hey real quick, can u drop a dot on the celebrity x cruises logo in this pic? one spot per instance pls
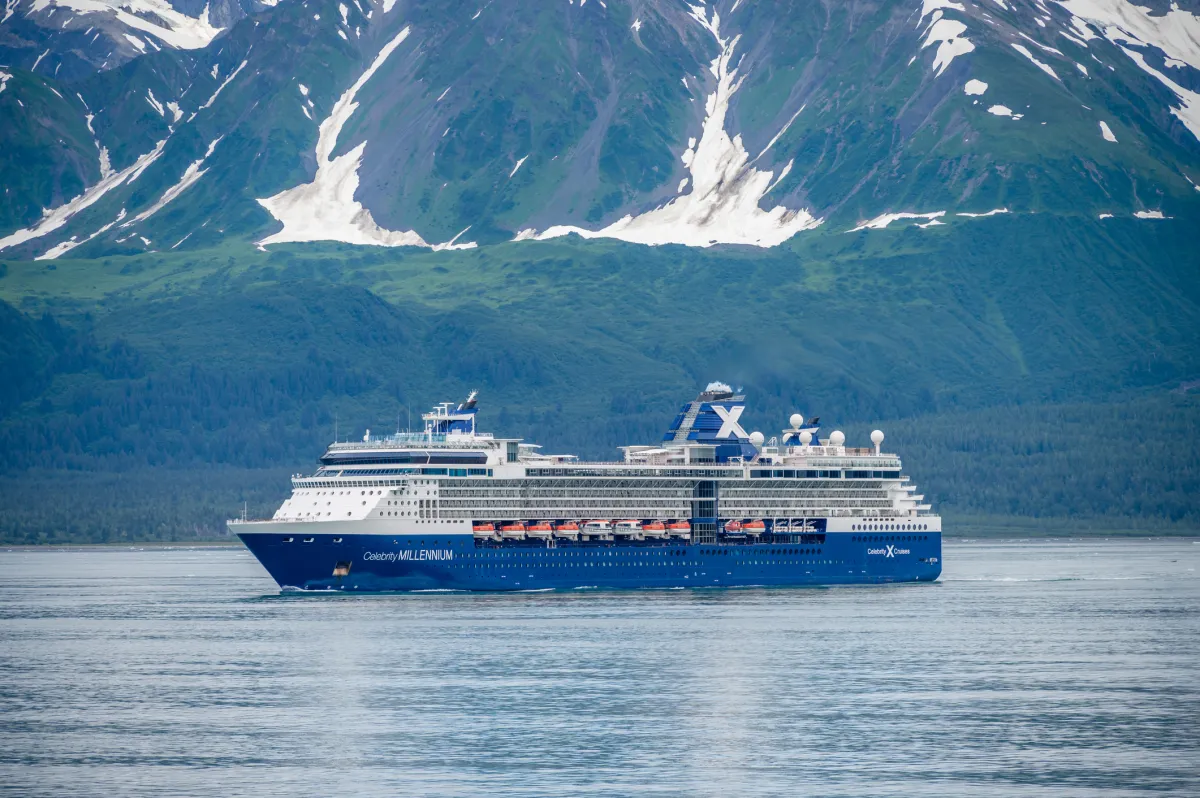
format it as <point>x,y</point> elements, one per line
<point>729,421</point>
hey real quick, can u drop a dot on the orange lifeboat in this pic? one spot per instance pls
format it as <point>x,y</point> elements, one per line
<point>754,527</point>
<point>484,530</point>
<point>514,531</point>
<point>567,529</point>
<point>680,528</point>
<point>654,529</point>
<point>733,527</point>
<point>541,529</point>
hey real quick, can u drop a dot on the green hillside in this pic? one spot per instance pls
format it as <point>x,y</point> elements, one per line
<point>1006,359</point>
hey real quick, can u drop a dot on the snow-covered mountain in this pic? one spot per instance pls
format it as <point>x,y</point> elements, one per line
<point>70,39</point>
<point>456,124</point>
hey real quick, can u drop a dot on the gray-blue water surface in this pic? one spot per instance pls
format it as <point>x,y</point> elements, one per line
<point>1062,668</point>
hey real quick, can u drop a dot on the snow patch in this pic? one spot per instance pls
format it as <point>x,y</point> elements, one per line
<point>951,42</point>
<point>442,95</point>
<point>152,17</point>
<point>345,12</point>
<point>176,111</point>
<point>975,87</point>
<point>303,89</point>
<point>1107,132</point>
<point>1189,110</point>
<point>1036,43</point>
<point>993,212</point>
<point>220,89</point>
<point>39,60</point>
<point>779,135</point>
<point>1023,50</point>
<point>1150,215</point>
<point>63,247</point>
<point>1105,216</point>
<point>637,25</point>
<point>9,7</point>
<point>56,218</point>
<point>155,104</point>
<point>722,207</point>
<point>929,6</point>
<point>1000,110</point>
<point>1082,69</point>
<point>1176,33</point>
<point>325,209</point>
<point>5,77</point>
<point>190,175</point>
<point>518,166</point>
<point>880,222</point>
<point>105,163</point>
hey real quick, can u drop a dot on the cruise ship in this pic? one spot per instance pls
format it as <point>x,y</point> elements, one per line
<point>708,506</point>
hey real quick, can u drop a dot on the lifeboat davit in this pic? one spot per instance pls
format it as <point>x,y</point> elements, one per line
<point>484,530</point>
<point>540,529</point>
<point>513,531</point>
<point>567,529</point>
<point>680,529</point>
<point>654,529</point>
<point>754,527</point>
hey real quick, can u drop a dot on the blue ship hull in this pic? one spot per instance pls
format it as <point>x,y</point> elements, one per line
<point>376,562</point>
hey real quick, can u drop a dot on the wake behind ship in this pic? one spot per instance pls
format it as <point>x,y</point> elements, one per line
<point>451,508</point>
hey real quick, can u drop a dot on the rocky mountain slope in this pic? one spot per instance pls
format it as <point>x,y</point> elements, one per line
<point>462,124</point>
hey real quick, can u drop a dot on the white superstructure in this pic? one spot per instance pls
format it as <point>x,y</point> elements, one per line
<point>707,476</point>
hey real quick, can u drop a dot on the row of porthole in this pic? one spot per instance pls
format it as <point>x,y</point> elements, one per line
<point>885,538</point>
<point>890,527</point>
<point>309,540</point>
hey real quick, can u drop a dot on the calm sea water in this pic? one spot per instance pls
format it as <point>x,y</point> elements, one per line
<point>1057,668</point>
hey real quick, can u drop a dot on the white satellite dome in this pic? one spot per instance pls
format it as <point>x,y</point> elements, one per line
<point>837,438</point>
<point>757,438</point>
<point>806,437</point>
<point>797,420</point>
<point>877,437</point>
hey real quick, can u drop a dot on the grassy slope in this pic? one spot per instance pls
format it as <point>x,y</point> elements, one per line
<point>238,359</point>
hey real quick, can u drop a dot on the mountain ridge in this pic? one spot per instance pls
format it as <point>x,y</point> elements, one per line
<point>843,114</point>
